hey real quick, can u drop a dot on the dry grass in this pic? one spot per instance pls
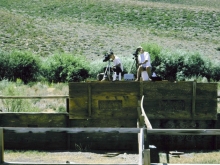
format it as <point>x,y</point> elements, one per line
<point>103,157</point>
<point>33,105</point>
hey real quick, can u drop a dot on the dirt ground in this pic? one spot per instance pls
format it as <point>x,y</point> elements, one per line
<point>73,157</point>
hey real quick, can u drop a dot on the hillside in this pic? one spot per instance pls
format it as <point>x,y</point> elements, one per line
<point>91,27</point>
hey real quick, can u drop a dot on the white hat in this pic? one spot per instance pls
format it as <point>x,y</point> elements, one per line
<point>139,47</point>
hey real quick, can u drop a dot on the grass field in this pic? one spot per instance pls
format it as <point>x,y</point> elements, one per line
<point>94,26</point>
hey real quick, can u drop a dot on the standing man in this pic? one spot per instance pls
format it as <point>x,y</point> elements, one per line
<point>144,63</point>
<point>117,65</point>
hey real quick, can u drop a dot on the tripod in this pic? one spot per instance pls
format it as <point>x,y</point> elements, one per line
<point>107,72</point>
<point>134,62</point>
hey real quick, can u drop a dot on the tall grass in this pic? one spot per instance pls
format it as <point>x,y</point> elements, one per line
<point>34,89</point>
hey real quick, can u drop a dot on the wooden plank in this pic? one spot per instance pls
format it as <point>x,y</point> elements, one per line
<point>36,141</point>
<point>103,137</point>
<point>165,108</point>
<point>79,107</point>
<point>35,97</point>
<point>106,106</point>
<point>161,90</point>
<point>26,163</point>
<point>141,146</point>
<point>70,130</point>
<point>146,120</point>
<point>22,163</point>
<point>103,122</point>
<point>122,114</point>
<point>193,99</point>
<point>1,145</point>
<point>147,157</point>
<point>207,90</point>
<point>33,119</point>
<point>113,130</point>
<point>206,109</point>
<point>115,145</point>
<point>89,100</point>
<point>77,89</point>
<point>184,131</point>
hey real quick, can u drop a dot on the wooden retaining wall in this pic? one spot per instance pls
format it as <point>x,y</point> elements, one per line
<point>114,104</point>
<point>63,141</point>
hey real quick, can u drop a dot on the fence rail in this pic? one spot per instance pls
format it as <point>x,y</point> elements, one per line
<point>35,97</point>
<point>144,152</point>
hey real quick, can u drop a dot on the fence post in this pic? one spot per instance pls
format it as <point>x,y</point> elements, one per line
<point>147,157</point>
<point>1,146</point>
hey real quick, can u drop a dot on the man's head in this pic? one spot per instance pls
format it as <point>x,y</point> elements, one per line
<point>139,49</point>
<point>111,55</point>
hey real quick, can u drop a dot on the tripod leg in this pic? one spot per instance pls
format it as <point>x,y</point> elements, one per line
<point>106,76</point>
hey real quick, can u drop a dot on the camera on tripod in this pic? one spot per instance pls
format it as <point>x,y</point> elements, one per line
<point>135,54</point>
<point>106,57</point>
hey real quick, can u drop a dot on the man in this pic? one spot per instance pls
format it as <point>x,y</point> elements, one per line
<point>144,63</point>
<point>117,66</point>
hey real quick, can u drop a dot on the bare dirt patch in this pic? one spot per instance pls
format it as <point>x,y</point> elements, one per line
<point>72,157</point>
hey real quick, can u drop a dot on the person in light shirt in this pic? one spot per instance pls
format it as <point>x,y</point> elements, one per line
<point>144,63</point>
<point>117,65</point>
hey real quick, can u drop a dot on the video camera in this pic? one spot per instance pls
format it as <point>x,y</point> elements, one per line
<point>135,54</point>
<point>107,56</point>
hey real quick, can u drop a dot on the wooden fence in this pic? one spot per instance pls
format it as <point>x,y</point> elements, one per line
<point>144,151</point>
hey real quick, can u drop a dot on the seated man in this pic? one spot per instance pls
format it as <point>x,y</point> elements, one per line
<point>144,63</point>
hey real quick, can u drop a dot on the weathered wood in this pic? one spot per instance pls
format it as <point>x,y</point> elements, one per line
<point>35,97</point>
<point>141,146</point>
<point>70,130</point>
<point>103,100</point>
<point>117,106</point>
<point>1,145</point>
<point>147,157</point>
<point>20,163</point>
<point>113,130</point>
<point>146,120</point>
<point>164,99</point>
<point>89,100</point>
<point>104,122</point>
<point>193,99</point>
<point>184,131</point>
<point>24,163</point>
<point>33,119</point>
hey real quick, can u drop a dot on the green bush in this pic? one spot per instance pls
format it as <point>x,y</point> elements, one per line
<point>165,65</point>
<point>19,65</point>
<point>182,65</point>
<point>4,60</point>
<point>65,68</point>
<point>215,73</point>
<point>153,49</point>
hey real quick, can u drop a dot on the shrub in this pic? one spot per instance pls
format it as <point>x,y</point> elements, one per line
<point>4,60</point>
<point>65,68</point>
<point>181,65</point>
<point>153,49</point>
<point>165,65</point>
<point>215,73</point>
<point>19,65</point>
